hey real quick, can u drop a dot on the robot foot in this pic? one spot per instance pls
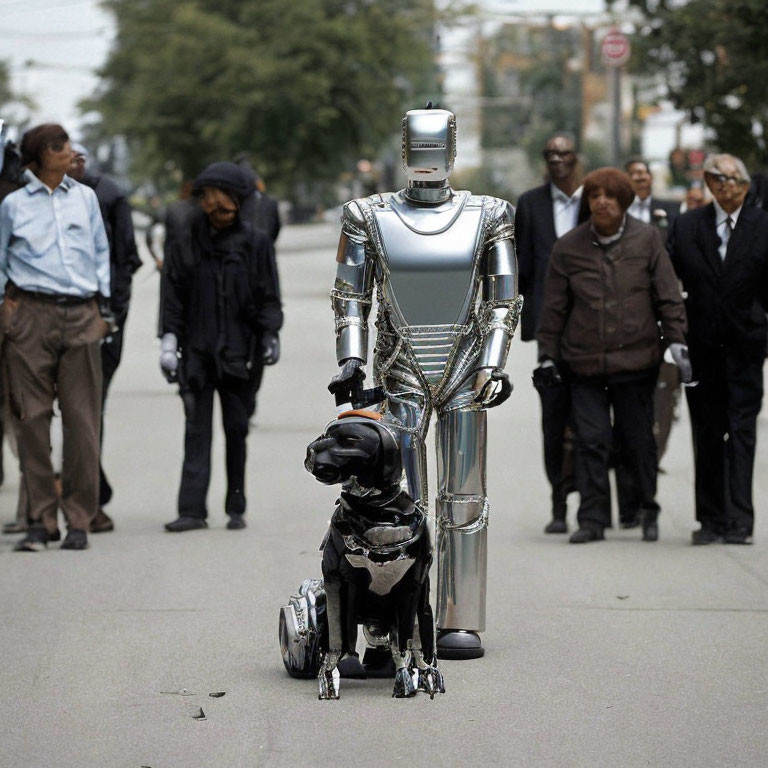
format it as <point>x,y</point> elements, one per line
<point>378,662</point>
<point>350,668</point>
<point>459,644</point>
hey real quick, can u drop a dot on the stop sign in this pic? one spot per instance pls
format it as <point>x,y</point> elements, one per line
<point>615,49</point>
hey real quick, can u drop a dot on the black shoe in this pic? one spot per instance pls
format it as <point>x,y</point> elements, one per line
<point>36,540</point>
<point>102,523</point>
<point>704,536</point>
<point>235,522</point>
<point>556,526</point>
<point>458,644</point>
<point>15,527</point>
<point>589,533</point>
<point>651,531</point>
<point>181,524</point>
<point>738,536</point>
<point>75,539</point>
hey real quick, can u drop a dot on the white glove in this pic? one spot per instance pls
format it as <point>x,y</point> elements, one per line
<point>169,358</point>
<point>682,360</point>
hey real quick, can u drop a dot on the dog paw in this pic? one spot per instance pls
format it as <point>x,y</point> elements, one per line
<point>328,684</point>
<point>431,681</point>
<point>404,685</point>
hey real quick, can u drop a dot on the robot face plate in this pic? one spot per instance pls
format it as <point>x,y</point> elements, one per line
<point>429,144</point>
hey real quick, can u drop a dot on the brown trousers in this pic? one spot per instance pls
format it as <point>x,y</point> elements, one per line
<point>53,350</point>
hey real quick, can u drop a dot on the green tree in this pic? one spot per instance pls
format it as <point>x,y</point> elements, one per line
<point>307,87</point>
<point>713,55</point>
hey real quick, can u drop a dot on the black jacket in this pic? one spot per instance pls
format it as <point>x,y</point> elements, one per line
<point>220,293</point>
<point>726,300</point>
<point>534,237</point>
<point>261,211</point>
<point>123,256</point>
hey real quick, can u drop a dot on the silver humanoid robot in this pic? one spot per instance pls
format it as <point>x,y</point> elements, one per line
<point>445,271</point>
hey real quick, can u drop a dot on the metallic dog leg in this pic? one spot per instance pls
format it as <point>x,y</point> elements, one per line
<point>328,678</point>
<point>404,685</point>
<point>428,677</point>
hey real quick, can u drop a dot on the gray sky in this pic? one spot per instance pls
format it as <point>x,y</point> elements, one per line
<point>55,46</point>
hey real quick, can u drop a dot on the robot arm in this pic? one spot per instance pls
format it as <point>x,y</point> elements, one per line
<point>351,295</point>
<point>500,306</point>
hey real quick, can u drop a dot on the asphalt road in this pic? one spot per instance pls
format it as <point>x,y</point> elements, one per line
<point>619,653</point>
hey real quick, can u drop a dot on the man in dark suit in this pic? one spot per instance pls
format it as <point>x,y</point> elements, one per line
<point>543,215</point>
<point>720,253</point>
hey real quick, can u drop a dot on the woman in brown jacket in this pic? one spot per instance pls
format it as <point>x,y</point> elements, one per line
<point>611,305</point>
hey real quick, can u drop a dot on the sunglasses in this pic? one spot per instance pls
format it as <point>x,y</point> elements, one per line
<point>721,178</point>
<point>548,154</point>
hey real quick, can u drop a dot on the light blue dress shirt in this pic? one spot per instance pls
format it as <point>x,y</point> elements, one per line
<point>54,241</point>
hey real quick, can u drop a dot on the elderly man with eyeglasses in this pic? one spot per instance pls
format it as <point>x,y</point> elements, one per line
<point>720,253</point>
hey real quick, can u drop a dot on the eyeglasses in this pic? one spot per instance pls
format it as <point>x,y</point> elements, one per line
<point>549,154</point>
<point>721,178</point>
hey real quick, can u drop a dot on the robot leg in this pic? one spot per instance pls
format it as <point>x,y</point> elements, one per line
<point>461,516</point>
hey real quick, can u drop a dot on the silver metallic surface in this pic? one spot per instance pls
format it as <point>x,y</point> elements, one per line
<point>429,144</point>
<point>446,281</point>
<point>384,575</point>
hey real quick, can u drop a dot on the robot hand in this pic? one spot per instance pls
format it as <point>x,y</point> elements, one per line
<point>169,357</point>
<point>350,377</point>
<point>270,348</point>
<point>682,360</point>
<point>546,376</point>
<point>492,387</point>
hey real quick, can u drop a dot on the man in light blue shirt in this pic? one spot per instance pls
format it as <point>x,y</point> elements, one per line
<point>54,265</point>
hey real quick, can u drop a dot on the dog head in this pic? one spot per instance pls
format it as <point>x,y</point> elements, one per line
<point>359,447</point>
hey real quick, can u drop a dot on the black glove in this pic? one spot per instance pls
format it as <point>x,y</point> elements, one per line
<point>499,382</point>
<point>546,376</point>
<point>348,381</point>
<point>270,348</point>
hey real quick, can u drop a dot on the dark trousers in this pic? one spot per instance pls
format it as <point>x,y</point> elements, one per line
<point>234,396</point>
<point>558,449</point>
<point>257,374</point>
<point>630,397</point>
<point>111,352</point>
<point>724,409</point>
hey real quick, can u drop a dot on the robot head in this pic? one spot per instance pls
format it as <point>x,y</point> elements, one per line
<point>429,144</point>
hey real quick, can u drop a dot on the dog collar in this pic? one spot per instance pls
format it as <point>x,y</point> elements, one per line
<point>375,415</point>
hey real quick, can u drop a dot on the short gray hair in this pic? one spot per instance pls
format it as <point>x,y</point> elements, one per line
<point>712,165</point>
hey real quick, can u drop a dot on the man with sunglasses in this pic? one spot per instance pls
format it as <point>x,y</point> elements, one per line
<point>54,266</point>
<point>543,215</point>
<point>720,253</point>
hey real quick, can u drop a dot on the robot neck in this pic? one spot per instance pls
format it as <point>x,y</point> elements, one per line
<point>431,192</point>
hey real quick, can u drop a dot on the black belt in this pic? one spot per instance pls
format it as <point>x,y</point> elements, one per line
<point>52,298</point>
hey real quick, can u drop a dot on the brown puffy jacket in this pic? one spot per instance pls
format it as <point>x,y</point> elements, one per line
<point>603,304</point>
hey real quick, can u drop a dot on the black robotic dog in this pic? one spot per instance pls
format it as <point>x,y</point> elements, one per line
<point>376,558</point>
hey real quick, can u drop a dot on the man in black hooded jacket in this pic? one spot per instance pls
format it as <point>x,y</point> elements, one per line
<point>221,313</point>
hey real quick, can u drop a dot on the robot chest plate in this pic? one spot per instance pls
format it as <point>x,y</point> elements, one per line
<point>430,272</point>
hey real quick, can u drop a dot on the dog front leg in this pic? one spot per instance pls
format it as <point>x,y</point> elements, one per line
<point>328,677</point>
<point>404,684</point>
